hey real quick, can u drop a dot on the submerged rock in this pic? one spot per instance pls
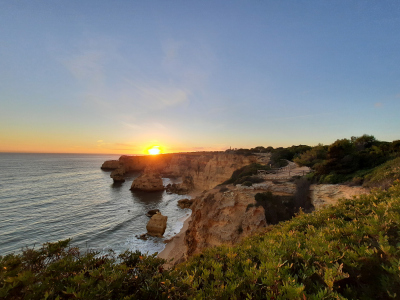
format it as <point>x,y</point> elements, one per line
<point>142,236</point>
<point>157,225</point>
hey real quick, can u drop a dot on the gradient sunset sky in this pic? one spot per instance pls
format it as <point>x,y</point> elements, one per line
<point>120,76</point>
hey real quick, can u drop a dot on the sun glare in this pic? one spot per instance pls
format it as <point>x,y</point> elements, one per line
<point>154,150</point>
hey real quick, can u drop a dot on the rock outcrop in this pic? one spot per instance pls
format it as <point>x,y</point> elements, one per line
<point>110,165</point>
<point>149,181</point>
<point>181,188</point>
<point>185,203</point>
<point>157,225</point>
<point>118,175</point>
<point>222,218</point>
<point>328,194</point>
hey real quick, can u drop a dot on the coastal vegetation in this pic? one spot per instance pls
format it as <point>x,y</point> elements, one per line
<point>352,161</point>
<point>347,251</point>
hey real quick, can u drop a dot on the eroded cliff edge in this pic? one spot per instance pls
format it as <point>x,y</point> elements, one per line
<point>227,214</point>
<point>205,169</point>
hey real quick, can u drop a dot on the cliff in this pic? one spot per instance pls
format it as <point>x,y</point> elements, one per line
<point>225,215</point>
<point>206,169</point>
<point>220,216</point>
<point>110,165</point>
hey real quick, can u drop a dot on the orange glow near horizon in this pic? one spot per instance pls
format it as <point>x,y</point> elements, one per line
<point>154,150</point>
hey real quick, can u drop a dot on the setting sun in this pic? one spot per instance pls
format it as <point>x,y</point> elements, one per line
<point>154,150</point>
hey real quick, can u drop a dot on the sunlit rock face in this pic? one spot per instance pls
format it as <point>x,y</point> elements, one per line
<point>149,181</point>
<point>205,170</point>
<point>222,216</point>
<point>323,195</point>
<point>157,225</point>
<point>110,165</point>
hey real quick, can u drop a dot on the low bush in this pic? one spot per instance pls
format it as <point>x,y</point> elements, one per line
<point>246,174</point>
<point>384,175</point>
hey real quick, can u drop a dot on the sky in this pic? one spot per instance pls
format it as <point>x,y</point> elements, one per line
<point>120,76</point>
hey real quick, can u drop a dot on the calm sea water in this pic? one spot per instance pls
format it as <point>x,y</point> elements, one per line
<point>50,197</point>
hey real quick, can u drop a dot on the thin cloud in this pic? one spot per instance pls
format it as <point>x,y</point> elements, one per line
<point>378,104</point>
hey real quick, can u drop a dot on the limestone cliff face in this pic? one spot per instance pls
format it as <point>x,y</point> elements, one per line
<point>111,165</point>
<point>221,217</point>
<point>206,169</point>
<point>328,194</point>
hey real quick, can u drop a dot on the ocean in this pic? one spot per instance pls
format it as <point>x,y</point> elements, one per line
<point>51,197</point>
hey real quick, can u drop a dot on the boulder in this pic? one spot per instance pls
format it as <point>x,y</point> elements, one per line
<point>157,225</point>
<point>149,182</point>
<point>110,165</point>
<point>152,212</point>
<point>185,203</point>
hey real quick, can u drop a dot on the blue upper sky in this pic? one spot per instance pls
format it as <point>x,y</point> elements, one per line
<point>119,76</point>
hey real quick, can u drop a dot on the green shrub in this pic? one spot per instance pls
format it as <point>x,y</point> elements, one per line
<point>384,175</point>
<point>247,183</point>
<point>245,174</point>
<point>58,271</point>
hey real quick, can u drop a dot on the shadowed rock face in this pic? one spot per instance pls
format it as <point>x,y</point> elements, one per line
<point>185,203</point>
<point>110,165</point>
<point>118,175</point>
<point>157,225</point>
<point>149,182</point>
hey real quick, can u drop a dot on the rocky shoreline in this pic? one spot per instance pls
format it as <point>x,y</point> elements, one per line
<point>220,214</point>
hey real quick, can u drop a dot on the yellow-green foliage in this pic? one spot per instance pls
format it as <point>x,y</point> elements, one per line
<point>349,251</point>
<point>384,175</point>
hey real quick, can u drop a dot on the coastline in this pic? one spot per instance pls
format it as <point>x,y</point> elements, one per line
<point>175,249</point>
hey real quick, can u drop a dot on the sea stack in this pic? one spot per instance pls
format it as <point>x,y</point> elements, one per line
<point>157,225</point>
<point>118,175</point>
<point>149,181</point>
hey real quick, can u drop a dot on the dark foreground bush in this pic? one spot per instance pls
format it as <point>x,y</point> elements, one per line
<point>349,251</point>
<point>57,271</point>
